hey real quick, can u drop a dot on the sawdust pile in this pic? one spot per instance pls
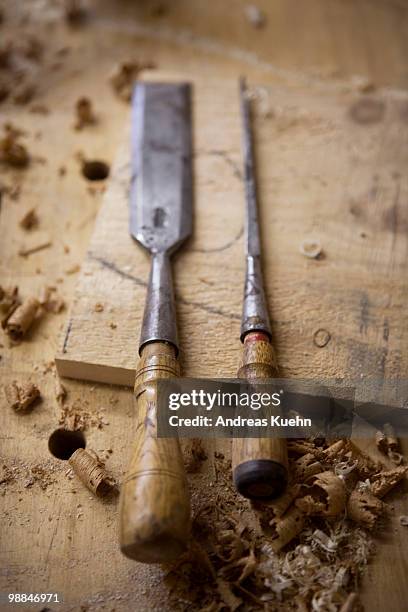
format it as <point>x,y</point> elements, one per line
<point>75,417</point>
<point>305,551</point>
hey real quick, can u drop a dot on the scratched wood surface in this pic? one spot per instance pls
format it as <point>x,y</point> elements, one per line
<point>328,169</point>
<point>321,174</point>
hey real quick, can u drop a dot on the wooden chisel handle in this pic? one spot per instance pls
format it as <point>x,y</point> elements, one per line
<point>260,465</point>
<point>155,505</point>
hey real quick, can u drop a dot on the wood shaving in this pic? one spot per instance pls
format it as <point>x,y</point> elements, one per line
<point>387,441</point>
<point>29,220</point>
<point>98,307</point>
<point>311,248</point>
<point>12,152</point>
<point>351,603</point>
<point>60,391</point>
<point>21,397</point>
<point>21,319</point>
<point>85,114</point>
<point>284,529</point>
<point>364,508</point>
<point>91,471</point>
<point>9,300</point>
<point>279,506</point>
<point>74,269</point>
<point>326,496</point>
<point>124,76</point>
<point>50,300</point>
<point>321,338</point>
<point>318,566</point>
<point>305,467</point>
<point>384,481</point>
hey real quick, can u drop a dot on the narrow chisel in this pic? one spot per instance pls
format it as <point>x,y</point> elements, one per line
<point>260,465</point>
<point>155,505</point>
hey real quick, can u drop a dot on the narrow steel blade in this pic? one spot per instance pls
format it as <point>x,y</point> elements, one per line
<point>161,188</point>
<point>252,241</point>
<point>255,315</point>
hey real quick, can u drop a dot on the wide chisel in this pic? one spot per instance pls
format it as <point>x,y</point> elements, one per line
<point>260,465</point>
<point>155,505</point>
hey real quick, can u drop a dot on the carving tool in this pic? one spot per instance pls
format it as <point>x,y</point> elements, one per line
<point>155,505</point>
<point>260,466</point>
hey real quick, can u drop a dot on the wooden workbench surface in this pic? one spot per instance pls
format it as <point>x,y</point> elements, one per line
<point>55,536</point>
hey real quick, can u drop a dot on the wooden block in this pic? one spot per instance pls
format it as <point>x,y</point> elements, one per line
<point>331,166</point>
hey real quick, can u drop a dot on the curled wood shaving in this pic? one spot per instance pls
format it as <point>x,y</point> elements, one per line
<point>85,114</point>
<point>396,458</point>
<point>22,318</point>
<point>384,481</point>
<point>311,248</point>
<point>229,547</point>
<point>60,391</point>
<point>344,468</point>
<point>366,466</point>
<point>50,300</point>
<point>301,447</point>
<point>364,508</point>
<point>9,300</point>
<point>279,506</point>
<point>21,397</point>
<point>321,337</point>
<point>124,76</point>
<point>326,496</point>
<point>386,440</point>
<point>284,529</point>
<point>91,472</point>
<point>305,467</point>
<point>335,451</point>
<point>351,603</point>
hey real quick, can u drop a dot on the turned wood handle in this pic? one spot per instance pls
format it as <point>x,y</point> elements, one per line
<point>260,465</point>
<point>154,505</point>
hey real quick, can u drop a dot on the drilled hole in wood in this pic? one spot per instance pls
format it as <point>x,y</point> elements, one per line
<point>95,170</point>
<point>63,443</point>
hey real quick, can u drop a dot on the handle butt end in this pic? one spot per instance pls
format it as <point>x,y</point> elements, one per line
<point>260,479</point>
<point>159,548</point>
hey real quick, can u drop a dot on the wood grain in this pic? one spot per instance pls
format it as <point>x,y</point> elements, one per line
<point>154,513</point>
<point>320,173</point>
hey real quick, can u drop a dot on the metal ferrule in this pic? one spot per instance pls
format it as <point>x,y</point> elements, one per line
<point>159,320</point>
<point>255,315</point>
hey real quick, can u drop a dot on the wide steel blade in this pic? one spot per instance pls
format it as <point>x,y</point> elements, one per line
<point>161,189</point>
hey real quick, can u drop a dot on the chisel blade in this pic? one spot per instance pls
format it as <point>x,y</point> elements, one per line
<point>161,187</point>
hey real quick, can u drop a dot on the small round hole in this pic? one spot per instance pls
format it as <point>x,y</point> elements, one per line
<point>95,170</point>
<point>63,442</point>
